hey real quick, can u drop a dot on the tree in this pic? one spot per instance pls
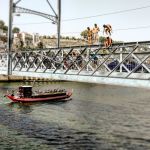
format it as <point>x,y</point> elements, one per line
<point>67,37</point>
<point>84,34</point>
<point>40,45</point>
<point>73,38</point>
<point>5,28</point>
<point>101,39</point>
<point>16,30</point>
<point>44,37</point>
<point>2,24</point>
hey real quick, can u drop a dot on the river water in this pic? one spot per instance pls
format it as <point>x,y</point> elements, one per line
<point>99,117</point>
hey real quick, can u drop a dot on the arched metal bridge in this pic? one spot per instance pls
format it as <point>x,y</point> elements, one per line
<point>122,64</point>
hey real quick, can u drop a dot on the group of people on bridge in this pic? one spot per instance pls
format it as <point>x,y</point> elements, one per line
<point>93,37</point>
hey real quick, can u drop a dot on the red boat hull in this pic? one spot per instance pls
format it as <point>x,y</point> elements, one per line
<point>51,98</point>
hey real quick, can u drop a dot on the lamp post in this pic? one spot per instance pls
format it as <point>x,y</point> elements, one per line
<point>58,23</point>
<point>10,39</point>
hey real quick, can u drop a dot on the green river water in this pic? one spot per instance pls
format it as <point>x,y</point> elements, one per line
<point>99,117</point>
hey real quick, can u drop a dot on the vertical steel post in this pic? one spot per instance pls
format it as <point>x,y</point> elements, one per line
<point>9,46</point>
<point>58,23</point>
<point>121,58</point>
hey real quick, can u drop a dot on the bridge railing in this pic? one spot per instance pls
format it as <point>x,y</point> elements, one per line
<point>130,60</point>
<point>3,63</point>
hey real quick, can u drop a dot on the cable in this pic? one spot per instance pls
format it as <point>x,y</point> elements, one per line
<point>133,28</point>
<point>111,13</point>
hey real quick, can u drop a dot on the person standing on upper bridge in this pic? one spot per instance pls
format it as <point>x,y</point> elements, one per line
<point>89,35</point>
<point>95,34</point>
<point>107,29</point>
<point>108,42</point>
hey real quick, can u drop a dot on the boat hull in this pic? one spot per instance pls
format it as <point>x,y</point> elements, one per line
<point>40,99</point>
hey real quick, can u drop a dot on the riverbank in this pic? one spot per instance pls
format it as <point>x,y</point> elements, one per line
<point>11,78</point>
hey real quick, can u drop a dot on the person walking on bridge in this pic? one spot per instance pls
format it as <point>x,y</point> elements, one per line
<point>89,35</point>
<point>95,33</point>
<point>107,29</point>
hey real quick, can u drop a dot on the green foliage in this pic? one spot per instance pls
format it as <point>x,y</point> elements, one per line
<point>84,34</point>
<point>101,39</point>
<point>73,38</point>
<point>5,28</point>
<point>44,37</point>
<point>16,30</point>
<point>40,45</point>
<point>67,37</point>
<point>2,24</point>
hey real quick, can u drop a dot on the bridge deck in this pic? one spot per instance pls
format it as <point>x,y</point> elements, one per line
<point>127,63</point>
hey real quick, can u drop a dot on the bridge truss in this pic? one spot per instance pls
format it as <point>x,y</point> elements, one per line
<point>124,60</point>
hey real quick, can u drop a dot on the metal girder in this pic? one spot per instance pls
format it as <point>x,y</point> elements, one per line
<point>44,58</point>
<point>64,58</point>
<point>52,8</point>
<point>17,2</point>
<point>75,60</point>
<point>29,11</point>
<point>104,60</point>
<point>141,62</point>
<point>123,60</point>
<point>96,51</point>
<point>65,61</point>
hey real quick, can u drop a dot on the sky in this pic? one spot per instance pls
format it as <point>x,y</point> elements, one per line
<point>129,18</point>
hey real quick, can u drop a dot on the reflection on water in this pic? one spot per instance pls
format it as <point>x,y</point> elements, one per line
<point>20,107</point>
<point>97,117</point>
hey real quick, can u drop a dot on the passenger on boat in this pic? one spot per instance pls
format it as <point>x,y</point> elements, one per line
<point>12,93</point>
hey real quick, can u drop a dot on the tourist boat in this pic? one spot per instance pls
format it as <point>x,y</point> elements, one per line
<point>25,94</point>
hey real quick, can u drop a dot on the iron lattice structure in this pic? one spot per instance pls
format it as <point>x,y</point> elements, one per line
<point>124,60</point>
<point>29,11</point>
